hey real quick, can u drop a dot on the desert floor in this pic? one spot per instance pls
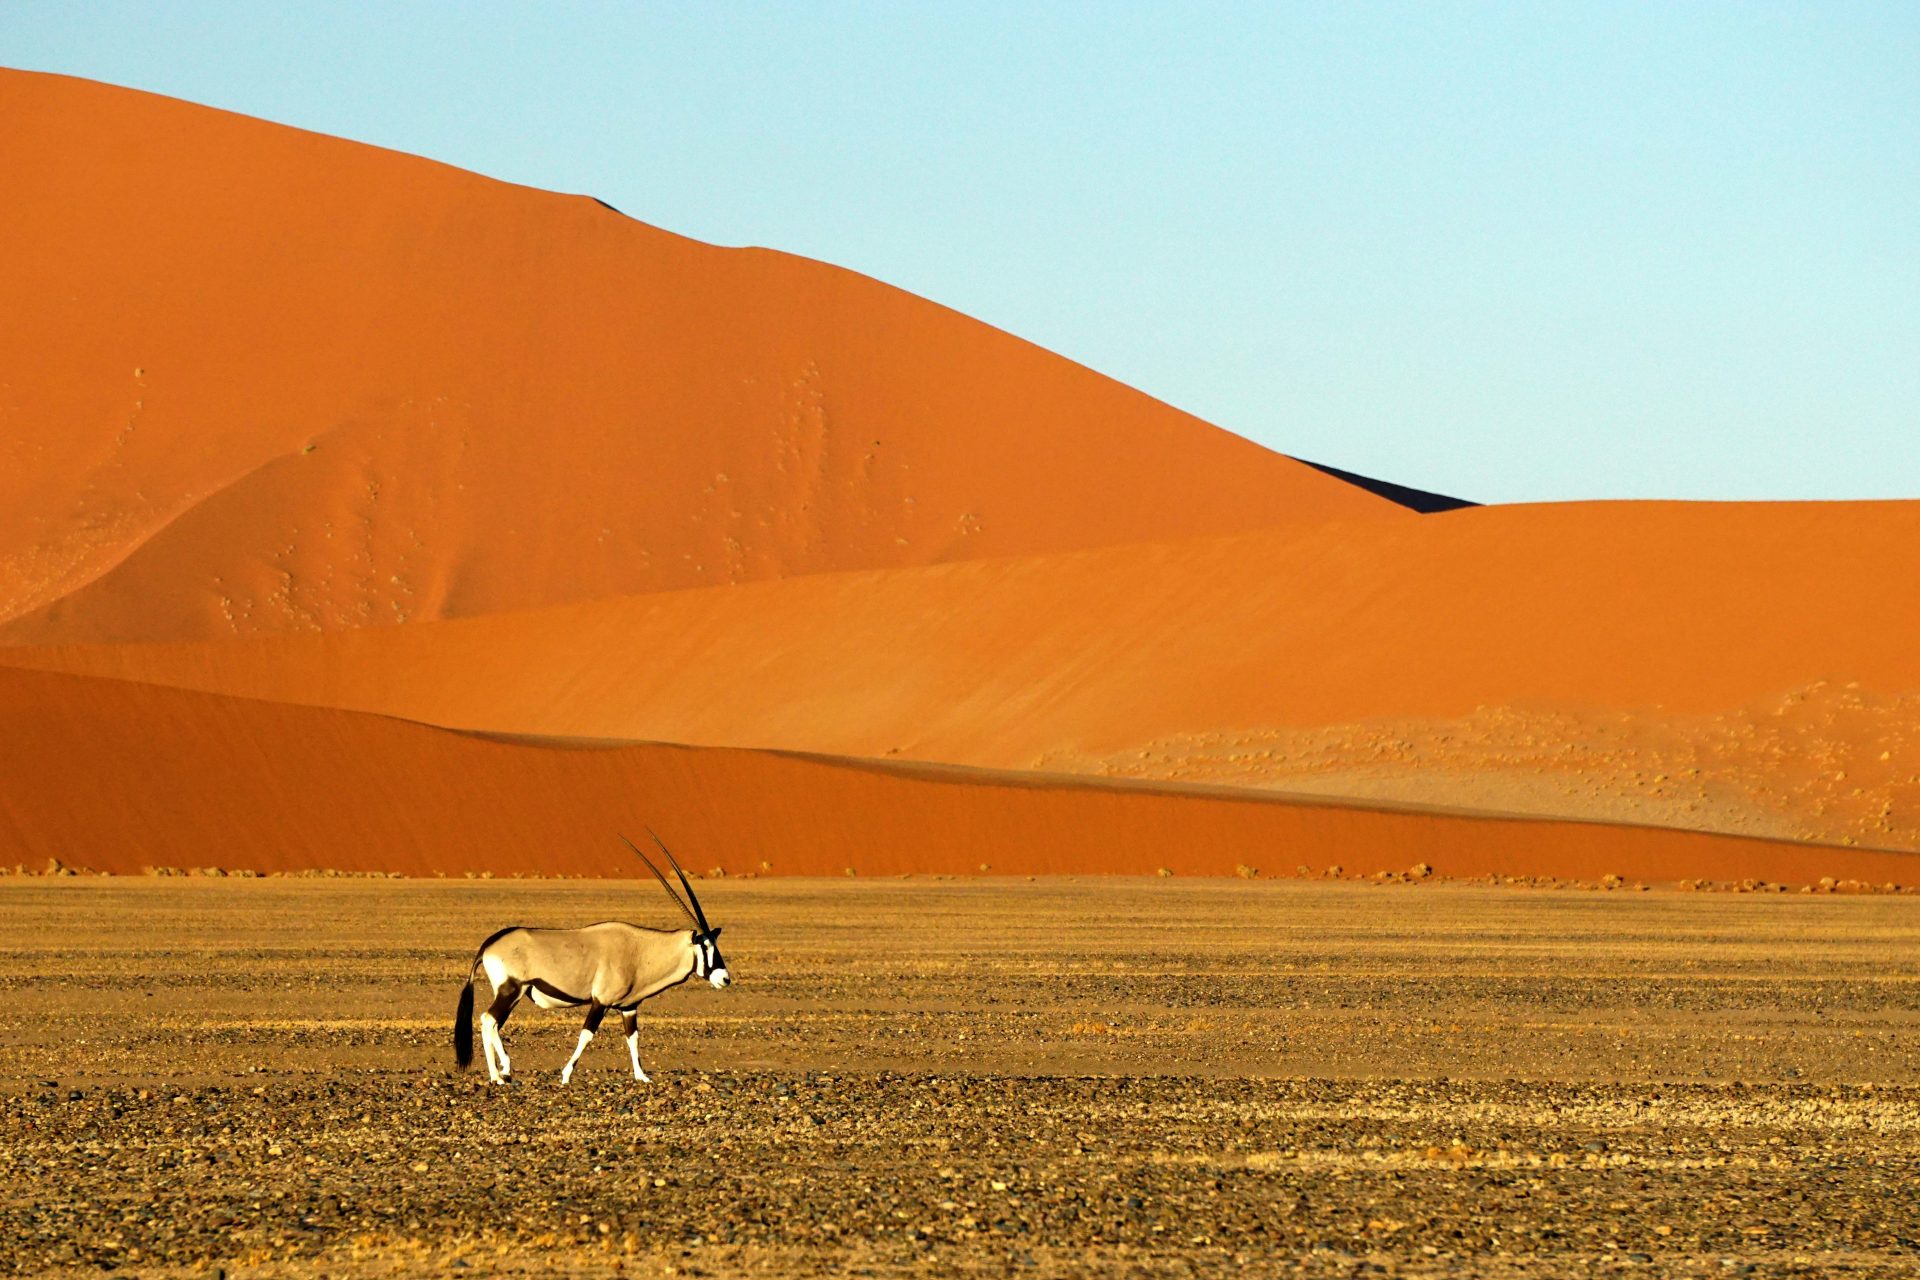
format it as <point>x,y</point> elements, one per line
<point>920,1077</point>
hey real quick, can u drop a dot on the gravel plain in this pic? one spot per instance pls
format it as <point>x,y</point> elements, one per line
<point>969,1077</point>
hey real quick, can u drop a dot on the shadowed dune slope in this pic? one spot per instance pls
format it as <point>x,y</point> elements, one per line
<point>1669,607</point>
<point>1421,500</point>
<point>204,780</point>
<point>262,380</point>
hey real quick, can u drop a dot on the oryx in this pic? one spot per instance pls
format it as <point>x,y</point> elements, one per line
<point>612,965</point>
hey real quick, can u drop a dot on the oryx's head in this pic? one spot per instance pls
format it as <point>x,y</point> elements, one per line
<point>708,963</point>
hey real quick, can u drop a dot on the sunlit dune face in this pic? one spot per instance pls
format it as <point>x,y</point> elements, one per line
<point>849,426</point>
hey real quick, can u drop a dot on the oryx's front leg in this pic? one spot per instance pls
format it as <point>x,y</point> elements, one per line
<point>595,1012</point>
<point>630,1027</point>
<point>499,1066</point>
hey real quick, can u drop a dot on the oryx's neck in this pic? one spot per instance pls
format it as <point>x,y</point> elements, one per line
<point>673,962</point>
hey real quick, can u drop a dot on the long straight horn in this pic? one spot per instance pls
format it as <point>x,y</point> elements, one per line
<point>692,897</point>
<point>664,882</point>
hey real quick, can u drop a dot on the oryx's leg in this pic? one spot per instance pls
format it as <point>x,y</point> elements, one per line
<point>499,1066</point>
<point>630,1027</point>
<point>595,1012</point>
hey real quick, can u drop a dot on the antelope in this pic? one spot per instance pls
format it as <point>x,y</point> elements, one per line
<point>611,965</point>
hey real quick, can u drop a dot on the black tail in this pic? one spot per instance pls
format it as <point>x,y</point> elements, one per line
<point>463,1027</point>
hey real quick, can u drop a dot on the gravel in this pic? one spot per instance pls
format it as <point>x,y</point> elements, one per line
<point>251,1076</point>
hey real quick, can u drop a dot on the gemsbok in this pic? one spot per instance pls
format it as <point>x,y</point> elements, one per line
<point>612,965</point>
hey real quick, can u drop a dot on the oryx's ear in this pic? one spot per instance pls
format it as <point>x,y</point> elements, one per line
<point>714,934</point>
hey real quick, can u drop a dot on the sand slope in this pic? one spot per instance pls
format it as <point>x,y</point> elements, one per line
<point>273,381</point>
<point>197,779</point>
<point>1678,663</point>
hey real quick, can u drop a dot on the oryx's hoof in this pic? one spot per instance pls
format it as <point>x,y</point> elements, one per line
<point>641,1077</point>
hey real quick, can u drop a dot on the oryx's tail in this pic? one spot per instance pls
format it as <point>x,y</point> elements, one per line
<point>463,1027</point>
<point>463,1015</point>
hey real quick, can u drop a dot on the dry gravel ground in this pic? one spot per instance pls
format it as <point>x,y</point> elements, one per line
<point>1094,1077</point>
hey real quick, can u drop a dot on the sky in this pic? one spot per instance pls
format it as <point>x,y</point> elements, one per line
<point>1513,252</point>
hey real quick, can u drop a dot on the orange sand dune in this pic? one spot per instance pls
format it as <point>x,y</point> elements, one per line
<point>1660,606</point>
<point>1681,664</point>
<point>117,776</point>
<point>273,383</point>
<point>260,380</point>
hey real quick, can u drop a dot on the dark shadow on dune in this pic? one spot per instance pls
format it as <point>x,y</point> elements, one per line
<point>1412,499</point>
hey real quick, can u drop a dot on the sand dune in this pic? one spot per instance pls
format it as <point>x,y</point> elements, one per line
<point>196,779</point>
<point>312,447</point>
<point>279,382</point>
<point>1577,659</point>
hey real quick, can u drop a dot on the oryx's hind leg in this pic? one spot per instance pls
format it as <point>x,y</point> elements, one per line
<point>630,1027</point>
<point>595,1012</point>
<point>499,1066</point>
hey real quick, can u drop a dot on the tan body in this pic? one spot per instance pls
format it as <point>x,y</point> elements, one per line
<point>612,965</point>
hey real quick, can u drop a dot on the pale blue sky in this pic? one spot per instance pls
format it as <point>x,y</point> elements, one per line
<point>1512,252</point>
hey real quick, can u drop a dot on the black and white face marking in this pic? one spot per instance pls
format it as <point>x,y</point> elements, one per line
<point>707,960</point>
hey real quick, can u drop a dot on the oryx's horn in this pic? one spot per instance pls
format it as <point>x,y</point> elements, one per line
<point>664,882</point>
<point>692,897</point>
